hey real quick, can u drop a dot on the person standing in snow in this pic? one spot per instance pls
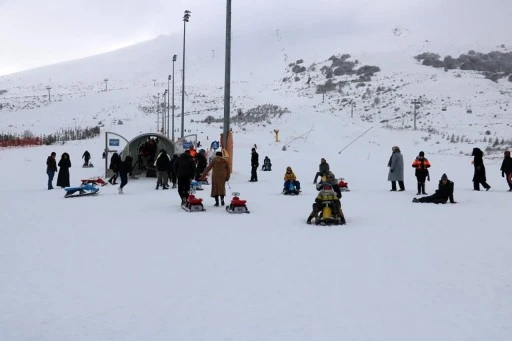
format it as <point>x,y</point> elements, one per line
<point>64,166</point>
<point>125,168</point>
<point>185,168</point>
<point>506,169</point>
<point>396,169</point>
<point>479,175</point>
<point>86,156</point>
<point>201,164</point>
<point>51,168</point>
<point>254,165</point>
<point>162,164</point>
<point>115,161</point>
<point>220,174</point>
<point>421,164</point>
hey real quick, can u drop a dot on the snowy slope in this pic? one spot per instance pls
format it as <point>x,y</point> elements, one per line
<point>136,266</point>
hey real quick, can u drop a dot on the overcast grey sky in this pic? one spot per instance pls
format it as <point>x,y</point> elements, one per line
<point>35,33</point>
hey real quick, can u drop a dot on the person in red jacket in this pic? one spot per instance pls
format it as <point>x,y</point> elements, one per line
<point>421,164</point>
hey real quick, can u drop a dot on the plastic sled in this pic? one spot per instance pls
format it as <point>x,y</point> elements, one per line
<point>193,204</point>
<point>237,205</point>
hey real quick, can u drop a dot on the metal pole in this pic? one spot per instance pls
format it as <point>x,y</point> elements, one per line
<point>173,60</point>
<point>227,76</point>
<point>185,19</point>
<point>168,94</point>
<point>157,111</point>
<point>416,104</point>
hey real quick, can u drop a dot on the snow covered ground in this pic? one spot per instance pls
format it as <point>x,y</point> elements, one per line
<point>136,266</point>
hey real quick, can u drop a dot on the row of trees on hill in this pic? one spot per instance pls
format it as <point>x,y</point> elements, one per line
<point>29,139</point>
<point>493,65</point>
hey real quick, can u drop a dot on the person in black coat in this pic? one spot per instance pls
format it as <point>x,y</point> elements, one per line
<point>442,194</point>
<point>506,169</point>
<point>86,156</point>
<point>162,164</point>
<point>479,176</point>
<point>172,172</point>
<point>51,168</point>
<point>254,165</point>
<point>125,168</point>
<point>267,164</point>
<point>201,163</point>
<point>115,161</point>
<point>64,166</point>
<point>185,168</point>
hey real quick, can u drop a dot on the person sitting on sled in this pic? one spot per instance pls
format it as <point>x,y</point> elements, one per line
<point>290,178</point>
<point>328,192</point>
<point>329,178</point>
<point>442,194</point>
<point>267,165</point>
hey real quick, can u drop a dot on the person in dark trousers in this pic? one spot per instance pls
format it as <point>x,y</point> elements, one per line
<point>254,165</point>
<point>115,162</point>
<point>220,174</point>
<point>506,169</point>
<point>125,168</point>
<point>328,191</point>
<point>172,172</point>
<point>185,169</point>
<point>421,164</point>
<point>86,156</point>
<point>51,168</point>
<point>64,166</point>
<point>442,194</point>
<point>162,164</point>
<point>323,170</point>
<point>201,163</point>
<point>479,176</point>
<point>396,169</point>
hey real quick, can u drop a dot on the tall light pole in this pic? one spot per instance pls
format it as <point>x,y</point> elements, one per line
<point>49,97</point>
<point>227,76</point>
<point>173,60</point>
<point>157,111</point>
<point>106,82</point>
<point>186,17</point>
<point>168,102</point>
<point>164,102</point>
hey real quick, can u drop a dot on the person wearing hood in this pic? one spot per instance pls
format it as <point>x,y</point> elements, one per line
<point>506,169</point>
<point>442,194</point>
<point>162,164</point>
<point>479,175</point>
<point>396,169</point>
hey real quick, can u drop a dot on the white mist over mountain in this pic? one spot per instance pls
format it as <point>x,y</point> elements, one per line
<point>60,30</point>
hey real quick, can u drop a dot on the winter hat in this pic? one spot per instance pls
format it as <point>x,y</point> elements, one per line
<point>507,153</point>
<point>422,154</point>
<point>444,177</point>
<point>254,149</point>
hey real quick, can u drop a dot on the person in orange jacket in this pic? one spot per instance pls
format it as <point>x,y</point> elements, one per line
<point>421,164</point>
<point>192,152</point>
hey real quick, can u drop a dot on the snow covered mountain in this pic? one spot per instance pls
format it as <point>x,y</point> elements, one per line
<point>136,266</point>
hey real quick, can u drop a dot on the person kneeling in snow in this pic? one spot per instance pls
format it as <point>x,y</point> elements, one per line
<point>442,194</point>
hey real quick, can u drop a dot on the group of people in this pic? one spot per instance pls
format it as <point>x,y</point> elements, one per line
<point>445,186</point>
